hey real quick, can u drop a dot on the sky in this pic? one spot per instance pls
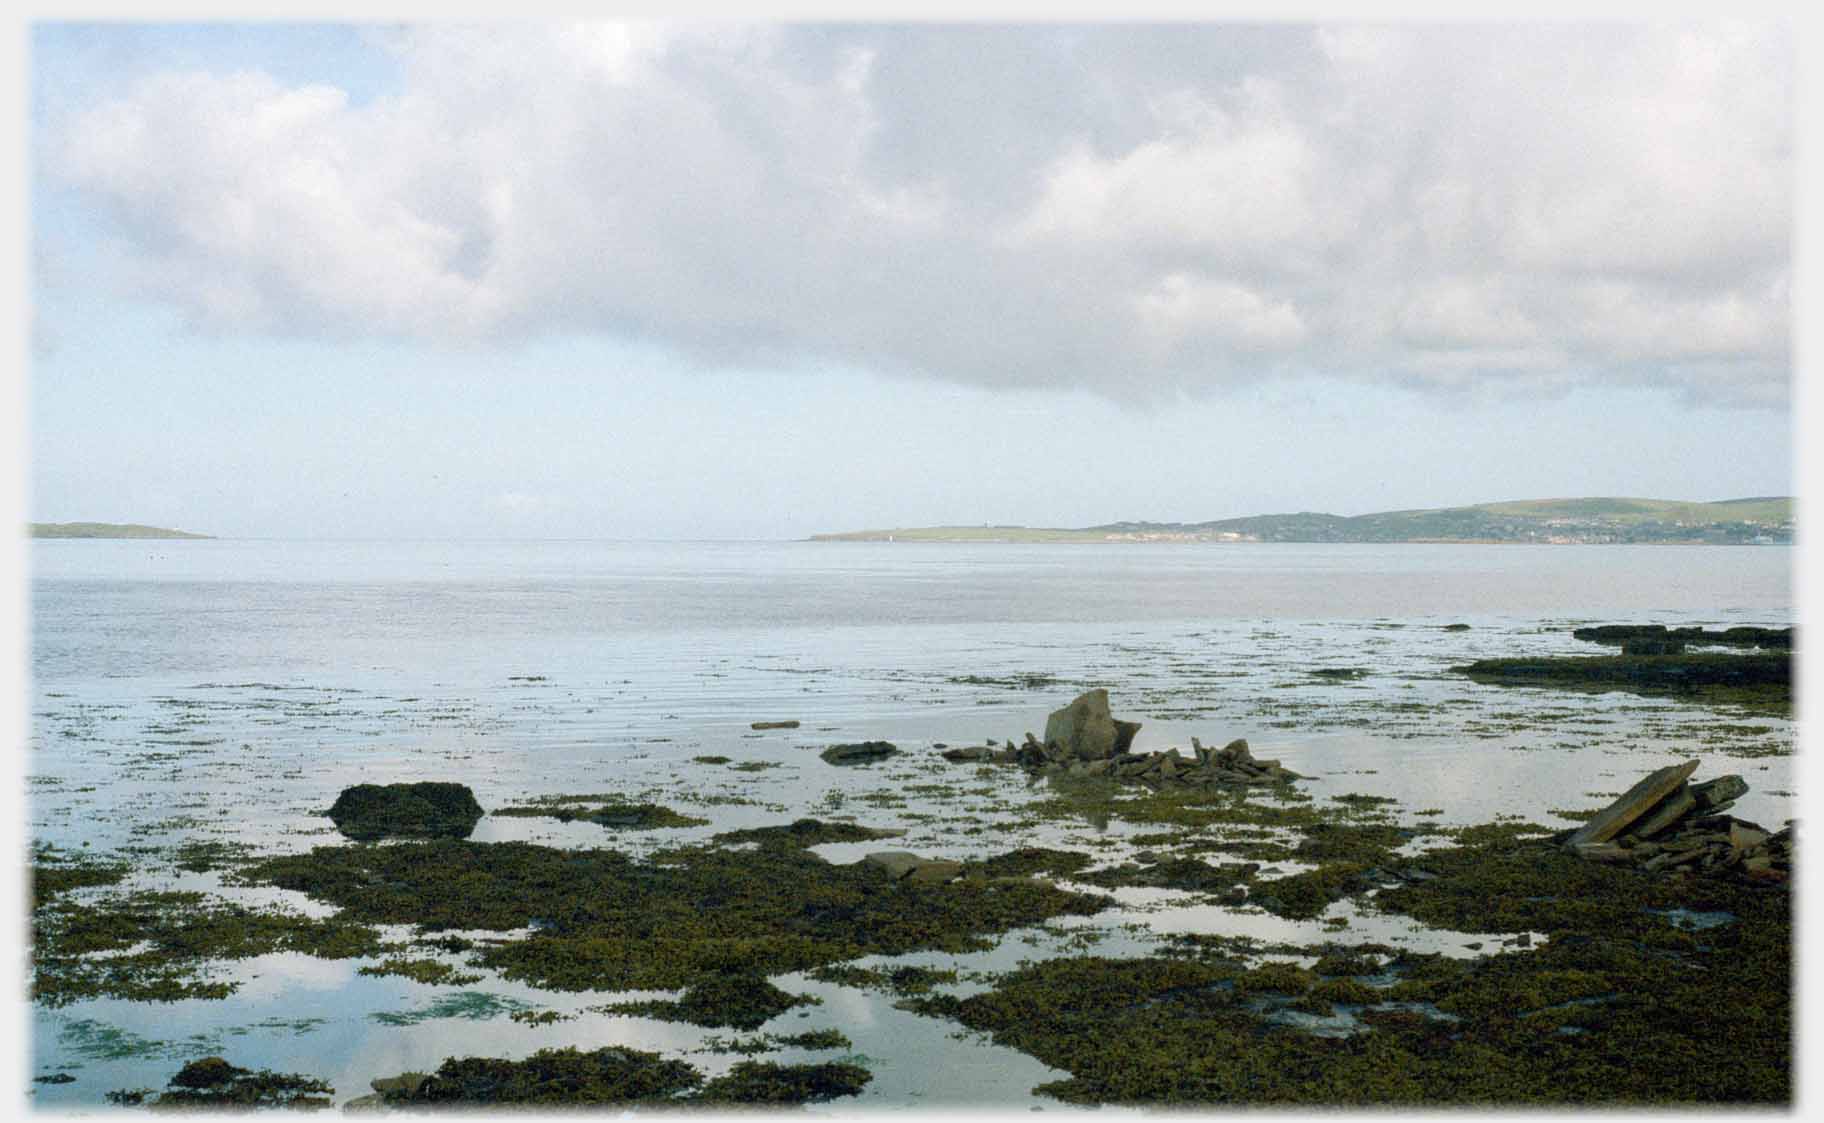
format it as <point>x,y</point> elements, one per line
<point>707,280</point>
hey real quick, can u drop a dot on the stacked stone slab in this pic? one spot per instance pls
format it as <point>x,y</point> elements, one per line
<point>1666,825</point>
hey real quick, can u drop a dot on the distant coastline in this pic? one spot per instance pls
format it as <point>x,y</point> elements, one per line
<point>107,530</point>
<point>1764,520</point>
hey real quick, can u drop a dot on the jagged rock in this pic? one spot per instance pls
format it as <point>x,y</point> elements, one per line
<point>1085,729</point>
<point>860,752</point>
<point>1635,802</point>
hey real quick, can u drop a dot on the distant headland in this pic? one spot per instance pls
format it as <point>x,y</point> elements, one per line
<point>107,530</point>
<point>1766,520</point>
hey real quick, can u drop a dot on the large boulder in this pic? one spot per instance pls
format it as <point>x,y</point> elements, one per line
<point>1084,730</point>
<point>425,810</point>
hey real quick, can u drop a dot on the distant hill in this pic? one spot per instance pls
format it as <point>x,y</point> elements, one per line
<point>1762,520</point>
<point>107,530</point>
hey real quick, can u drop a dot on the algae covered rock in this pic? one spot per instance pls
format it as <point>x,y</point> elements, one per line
<point>1085,730</point>
<point>862,752</point>
<point>429,809</point>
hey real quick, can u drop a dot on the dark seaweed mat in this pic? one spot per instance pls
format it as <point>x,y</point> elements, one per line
<point>605,922</point>
<point>1618,1008</point>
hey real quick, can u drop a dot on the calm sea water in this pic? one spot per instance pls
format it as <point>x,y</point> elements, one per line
<point>229,689</point>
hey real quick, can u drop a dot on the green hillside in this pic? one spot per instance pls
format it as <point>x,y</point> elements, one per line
<point>1761,520</point>
<point>106,530</point>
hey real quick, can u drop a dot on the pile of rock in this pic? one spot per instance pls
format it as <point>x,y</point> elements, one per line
<point>1082,739</point>
<point>1666,824</point>
<point>1230,766</point>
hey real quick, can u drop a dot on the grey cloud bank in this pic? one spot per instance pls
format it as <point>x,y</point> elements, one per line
<point>1140,211</point>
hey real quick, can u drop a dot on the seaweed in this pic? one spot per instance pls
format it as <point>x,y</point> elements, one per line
<point>607,813</point>
<point>617,1075</point>
<point>213,1083</point>
<point>1616,1008</point>
<point>1761,681</point>
<point>431,809</point>
<point>720,999</point>
<point>183,932</point>
<point>605,922</point>
<point>765,1082</point>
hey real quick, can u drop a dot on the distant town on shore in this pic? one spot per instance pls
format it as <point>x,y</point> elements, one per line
<point>1766,520</point>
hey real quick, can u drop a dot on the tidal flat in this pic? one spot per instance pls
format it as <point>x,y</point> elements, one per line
<point>663,903</point>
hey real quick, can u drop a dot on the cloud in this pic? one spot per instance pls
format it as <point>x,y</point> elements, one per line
<point>1137,211</point>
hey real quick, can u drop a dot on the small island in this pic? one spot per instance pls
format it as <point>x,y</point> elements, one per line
<point>108,530</point>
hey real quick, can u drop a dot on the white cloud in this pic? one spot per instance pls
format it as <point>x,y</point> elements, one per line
<point>1131,210</point>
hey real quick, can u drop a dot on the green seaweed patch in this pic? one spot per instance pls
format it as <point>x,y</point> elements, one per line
<point>1027,861</point>
<point>614,815</point>
<point>712,759</point>
<point>213,1083</point>
<point>773,1042</point>
<point>55,872</point>
<point>429,971</point>
<point>1367,843</point>
<point>609,1075</point>
<point>158,945</point>
<point>621,1076</point>
<point>735,1001</point>
<point>1191,874</point>
<point>602,921</point>
<point>766,1082</point>
<point>200,856</point>
<point>1138,1031</point>
<point>1305,896</point>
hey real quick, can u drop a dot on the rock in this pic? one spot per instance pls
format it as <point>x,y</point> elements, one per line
<point>896,863</point>
<point>406,1084</point>
<point>1670,810</point>
<point>860,752</point>
<point>1636,801</point>
<point>430,809</point>
<point>935,872</point>
<point>1652,647</point>
<point>903,865</point>
<point>1714,795</point>
<point>1743,837</point>
<point>1602,852</point>
<point>774,725</point>
<point>1085,730</point>
<point>973,754</point>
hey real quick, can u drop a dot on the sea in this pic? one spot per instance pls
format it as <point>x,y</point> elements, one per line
<point>227,690</point>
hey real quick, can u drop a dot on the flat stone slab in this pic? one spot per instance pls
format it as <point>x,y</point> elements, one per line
<point>1634,803</point>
